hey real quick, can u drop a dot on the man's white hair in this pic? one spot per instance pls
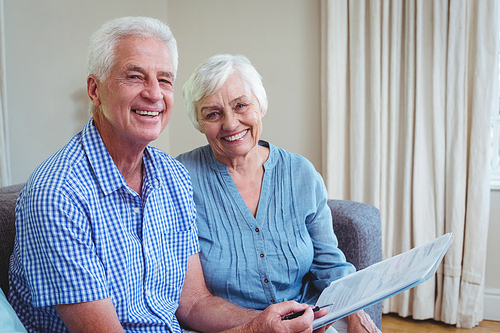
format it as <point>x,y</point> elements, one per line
<point>101,51</point>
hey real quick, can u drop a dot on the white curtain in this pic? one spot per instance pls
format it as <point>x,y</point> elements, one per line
<point>407,93</point>
<point>4,130</point>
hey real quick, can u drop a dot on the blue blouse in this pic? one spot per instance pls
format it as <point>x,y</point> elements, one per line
<point>287,252</point>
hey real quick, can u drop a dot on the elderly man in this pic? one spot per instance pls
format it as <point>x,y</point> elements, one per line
<point>106,237</point>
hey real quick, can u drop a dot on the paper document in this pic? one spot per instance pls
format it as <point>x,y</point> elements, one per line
<point>382,280</point>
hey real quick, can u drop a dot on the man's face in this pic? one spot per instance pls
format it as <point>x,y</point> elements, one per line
<point>135,102</point>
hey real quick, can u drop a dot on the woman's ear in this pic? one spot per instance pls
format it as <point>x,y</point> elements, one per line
<point>93,90</point>
<point>200,129</point>
<point>262,112</point>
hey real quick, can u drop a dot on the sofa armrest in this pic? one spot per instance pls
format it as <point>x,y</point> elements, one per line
<point>359,233</point>
<point>8,198</point>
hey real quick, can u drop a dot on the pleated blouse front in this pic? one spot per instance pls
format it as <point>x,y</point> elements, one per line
<point>287,252</point>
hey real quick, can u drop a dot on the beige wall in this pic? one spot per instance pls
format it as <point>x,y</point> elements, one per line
<point>46,43</point>
<point>281,39</point>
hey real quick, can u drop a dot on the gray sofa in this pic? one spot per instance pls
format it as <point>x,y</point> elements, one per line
<point>356,225</point>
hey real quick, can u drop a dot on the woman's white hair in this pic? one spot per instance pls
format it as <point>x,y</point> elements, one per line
<point>101,51</point>
<point>211,75</point>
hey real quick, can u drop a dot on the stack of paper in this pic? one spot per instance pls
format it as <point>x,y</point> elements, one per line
<point>382,280</point>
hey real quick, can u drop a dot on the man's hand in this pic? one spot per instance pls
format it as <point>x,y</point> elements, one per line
<point>320,314</point>
<point>200,310</point>
<point>360,322</point>
<point>270,320</point>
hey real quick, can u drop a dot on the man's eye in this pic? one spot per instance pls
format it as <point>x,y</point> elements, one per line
<point>165,81</point>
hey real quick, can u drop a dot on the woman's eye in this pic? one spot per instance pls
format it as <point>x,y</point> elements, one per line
<point>211,115</point>
<point>240,106</point>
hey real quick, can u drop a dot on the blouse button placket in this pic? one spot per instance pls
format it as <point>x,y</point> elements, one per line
<point>268,288</point>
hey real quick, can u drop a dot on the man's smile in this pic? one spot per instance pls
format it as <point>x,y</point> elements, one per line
<point>147,113</point>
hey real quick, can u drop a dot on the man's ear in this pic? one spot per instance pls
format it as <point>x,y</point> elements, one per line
<point>92,90</point>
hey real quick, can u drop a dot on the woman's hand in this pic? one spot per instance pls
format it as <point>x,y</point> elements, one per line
<point>360,322</point>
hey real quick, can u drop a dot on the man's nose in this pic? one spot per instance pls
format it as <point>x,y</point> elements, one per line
<point>152,91</point>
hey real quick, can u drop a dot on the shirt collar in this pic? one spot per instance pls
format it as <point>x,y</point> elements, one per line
<point>105,170</point>
<point>152,176</point>
<point>107,174</point>
<point>218,166</point>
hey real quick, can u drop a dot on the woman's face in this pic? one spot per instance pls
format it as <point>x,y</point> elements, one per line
<point>230,118</point>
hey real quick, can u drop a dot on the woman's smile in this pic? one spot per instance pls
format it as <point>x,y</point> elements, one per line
<point>236,136</point>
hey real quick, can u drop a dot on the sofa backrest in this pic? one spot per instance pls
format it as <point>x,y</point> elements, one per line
<point>356,225</point>
<point>8,197</point>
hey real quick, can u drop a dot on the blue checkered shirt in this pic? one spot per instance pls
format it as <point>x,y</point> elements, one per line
<point>83,235</point>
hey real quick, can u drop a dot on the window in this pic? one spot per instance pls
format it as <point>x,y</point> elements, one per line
<point>495,143</point>
<point>495,150</point>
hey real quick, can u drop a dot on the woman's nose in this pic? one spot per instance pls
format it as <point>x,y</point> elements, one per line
<point>230,121</point>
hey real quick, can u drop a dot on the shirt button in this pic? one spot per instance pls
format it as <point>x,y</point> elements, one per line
<point>266,281</point>
<point>136,210</point>
<point>262,255</point>
<point>256,229</point>
<point>272,300</point>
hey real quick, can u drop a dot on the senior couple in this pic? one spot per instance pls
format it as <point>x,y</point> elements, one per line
<point>114,235</point>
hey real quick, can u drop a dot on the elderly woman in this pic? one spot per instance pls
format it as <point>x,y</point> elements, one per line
<point>265,229</point>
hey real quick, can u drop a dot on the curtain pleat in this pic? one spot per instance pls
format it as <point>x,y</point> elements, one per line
<point>407,93</point>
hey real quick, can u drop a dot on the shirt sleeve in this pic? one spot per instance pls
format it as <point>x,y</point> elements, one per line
<point>329,261</point>
<point>58,254</point>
